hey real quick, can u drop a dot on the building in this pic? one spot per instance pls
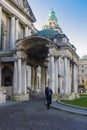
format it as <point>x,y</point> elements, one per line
<point>16,22</point>
<point>82,74</point>
<point>66,56</point>
<point>31,59</point>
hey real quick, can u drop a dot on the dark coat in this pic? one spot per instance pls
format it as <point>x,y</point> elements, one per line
<point>48,93</point>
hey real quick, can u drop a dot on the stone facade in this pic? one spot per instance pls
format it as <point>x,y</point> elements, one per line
<point>82,74</point>
<point>15,23</point>
<point>31,60</point>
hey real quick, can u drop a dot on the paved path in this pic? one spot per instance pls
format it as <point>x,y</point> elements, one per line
<point>69,108</point>
<point>33,115</point>
<point>56,105</point>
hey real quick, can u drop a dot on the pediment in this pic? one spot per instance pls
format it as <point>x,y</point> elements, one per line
<point>24,5</point>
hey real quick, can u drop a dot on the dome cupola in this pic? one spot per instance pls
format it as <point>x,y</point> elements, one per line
<point>52,22</point>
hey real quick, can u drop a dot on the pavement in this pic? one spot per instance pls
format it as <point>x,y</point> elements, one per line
<point>34,115</point>
<point>8,103</point>
<point>56,105</point>
<point>69,108</point>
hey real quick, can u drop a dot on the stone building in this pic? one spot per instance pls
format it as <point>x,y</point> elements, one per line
<point>67,59</point>
<point>31,59</point>
<point>16,22</point>
<point>82,74</point>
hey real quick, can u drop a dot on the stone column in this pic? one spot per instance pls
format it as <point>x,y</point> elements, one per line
<point>4,40</point>
<point>75,79</point>
<point>59,76</point>
<point>56,76</point>
<point>29,76</point>
<point>26,31</point>
<point>32,78</point>
<point>69,77</point>
<point>66,75</point>
<point>16,33</point>
<point>46,75</point>
<point>35,80</point>
<point>24,83</point>
<point>43,79</point>
<point>52,71</point>
<point>15,78</point>
<point>12,38</point>
<point>19,76</point>
<point>0,27</point>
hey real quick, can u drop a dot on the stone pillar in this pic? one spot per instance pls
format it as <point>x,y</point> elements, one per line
<point>43,79</point>
<point>26,31</point>
<point>24,83</point>
<point>4,44</point>
<point>16,30</point>
<point>66,75</point>
<point>59,76</point>
<point>15,78</point>
<point>0,27</point>
<point>75,79</point>
<point>12,38</point>
<point>46,75</point>
<point>69,77</point>
<point>19,76</point>
<point>52,71</point>
<point>19,85</point>
<point>35,80</point>
<point>29,76</point>
<point>56,76</point>
<point>32,78</point>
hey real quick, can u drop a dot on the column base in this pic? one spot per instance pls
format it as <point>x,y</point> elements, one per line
<point>2,97</point>
<point>55,96</point>
<point>22,97</point>
<point>68,96</point>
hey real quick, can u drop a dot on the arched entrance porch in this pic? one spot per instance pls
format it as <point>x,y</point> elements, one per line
<point>31,53</point>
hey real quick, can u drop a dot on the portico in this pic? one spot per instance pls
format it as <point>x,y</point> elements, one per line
<point>33,52</point>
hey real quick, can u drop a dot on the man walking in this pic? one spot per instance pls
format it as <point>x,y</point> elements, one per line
<point>48,93</point>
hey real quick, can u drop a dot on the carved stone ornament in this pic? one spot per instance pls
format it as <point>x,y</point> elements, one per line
<point>24,5</point>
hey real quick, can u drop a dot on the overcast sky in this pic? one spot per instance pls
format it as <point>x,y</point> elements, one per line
<point>72,18</point>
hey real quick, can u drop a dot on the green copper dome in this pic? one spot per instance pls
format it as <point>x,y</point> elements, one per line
<point>48,33</point>
<point>52,15</point>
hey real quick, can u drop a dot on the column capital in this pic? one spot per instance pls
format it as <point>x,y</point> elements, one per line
<point>51,52</point>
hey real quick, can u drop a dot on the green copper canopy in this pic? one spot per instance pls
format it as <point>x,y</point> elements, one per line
<point>48,33</point>
<point>52,15</point>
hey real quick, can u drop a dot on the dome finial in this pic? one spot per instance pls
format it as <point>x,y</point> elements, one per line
<point>52,15</point>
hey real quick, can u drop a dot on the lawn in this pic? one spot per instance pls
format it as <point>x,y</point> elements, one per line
<point>82,102</point>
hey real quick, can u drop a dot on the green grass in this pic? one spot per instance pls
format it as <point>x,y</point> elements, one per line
<point>82,102</point>
<point>83,94</point>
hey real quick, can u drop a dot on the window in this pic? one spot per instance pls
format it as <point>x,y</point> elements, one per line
<point>82,81</point>
<point>82,71</point>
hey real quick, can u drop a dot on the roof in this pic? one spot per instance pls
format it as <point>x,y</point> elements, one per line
<point>47,33</point>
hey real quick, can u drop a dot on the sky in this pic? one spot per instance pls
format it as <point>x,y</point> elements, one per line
<point>71,16</point>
